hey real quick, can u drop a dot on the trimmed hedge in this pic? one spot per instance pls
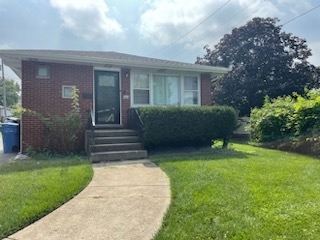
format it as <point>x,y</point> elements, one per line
<point>186,126</point>
<point>286,117</point>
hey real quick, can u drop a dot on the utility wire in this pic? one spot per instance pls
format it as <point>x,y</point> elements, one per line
<point>191,30</point>
<point>214,40</point>
<point>217,38</point>
<point>226,22</point>
<point>302,14</point>
<point>312,9</point>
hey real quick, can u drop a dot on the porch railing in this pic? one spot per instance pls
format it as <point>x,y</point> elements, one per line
<point>134,121</point>
<point>91,128</point>
<point>92,117</point>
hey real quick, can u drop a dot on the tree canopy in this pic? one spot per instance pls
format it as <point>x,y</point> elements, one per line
<point>263,60</point>
<point>12,93</point>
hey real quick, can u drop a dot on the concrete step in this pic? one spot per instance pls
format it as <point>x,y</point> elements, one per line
<point>115,147</point>
<point>118,155</point>
<point>109,140</point>
<point>108,126</point>
<point>114,133</point>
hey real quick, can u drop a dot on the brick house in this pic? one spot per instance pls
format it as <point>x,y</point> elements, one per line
<point>110,83</point>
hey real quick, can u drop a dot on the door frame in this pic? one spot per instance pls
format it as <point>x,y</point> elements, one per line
<point>118,70</point>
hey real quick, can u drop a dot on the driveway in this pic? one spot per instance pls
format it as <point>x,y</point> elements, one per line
<point>124,200</point>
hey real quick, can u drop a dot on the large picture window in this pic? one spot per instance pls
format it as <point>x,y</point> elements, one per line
<point>165,90</point>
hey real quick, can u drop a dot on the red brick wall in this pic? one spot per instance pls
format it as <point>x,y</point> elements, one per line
<point>125,91</point>
<point>206,90</point>
<point>45,96</point>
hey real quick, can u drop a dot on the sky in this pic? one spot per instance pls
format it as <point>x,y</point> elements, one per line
<point>167,29</point>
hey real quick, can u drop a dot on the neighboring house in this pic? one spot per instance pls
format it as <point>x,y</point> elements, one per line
<point>110,83</point>
<point>8,112</point>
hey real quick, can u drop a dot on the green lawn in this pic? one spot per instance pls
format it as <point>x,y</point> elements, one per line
<point>241,193</point>
<point>29,189</point>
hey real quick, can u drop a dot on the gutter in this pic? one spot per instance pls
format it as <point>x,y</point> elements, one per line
<point>118,62</point>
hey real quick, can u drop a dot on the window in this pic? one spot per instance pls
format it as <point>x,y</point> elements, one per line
<point>191,91</point>
<point>42,71</point>
<point>67,91</point>
<point>141,89</point>
<point>166,90</point>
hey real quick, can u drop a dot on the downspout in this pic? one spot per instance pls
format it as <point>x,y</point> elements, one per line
<point>4,91</point>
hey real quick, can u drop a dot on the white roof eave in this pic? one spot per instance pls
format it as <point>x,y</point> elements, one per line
<point>115,62</point>
<point>128,63</point>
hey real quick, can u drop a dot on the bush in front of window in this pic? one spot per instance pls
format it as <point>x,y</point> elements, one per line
<point>186,126</point>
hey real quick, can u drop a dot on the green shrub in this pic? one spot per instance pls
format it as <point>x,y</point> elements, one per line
<point>271,121</point>
<point>62,133</point>
<point>186,126</point>
<point>286,117</point>
<point>307,113</point>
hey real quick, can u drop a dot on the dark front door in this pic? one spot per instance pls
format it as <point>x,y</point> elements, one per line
<point>107,97</point>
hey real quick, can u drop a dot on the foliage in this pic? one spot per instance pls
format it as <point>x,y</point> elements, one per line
<point>271,121</point>
<point>12,93</point>
<point>30,189</point>
<point>307,113</point>
<point>62,132</point>
<point>286,117</point>
<point>16,110</point>
<point>241,193</point>
<point>263,61</point>
<point>181,126</point>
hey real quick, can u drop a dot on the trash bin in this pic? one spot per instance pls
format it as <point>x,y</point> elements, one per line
<point>10,137</point>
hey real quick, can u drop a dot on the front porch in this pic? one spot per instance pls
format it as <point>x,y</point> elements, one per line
<point>112,142</point>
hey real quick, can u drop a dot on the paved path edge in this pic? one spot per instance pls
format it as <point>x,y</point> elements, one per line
<point>124,200</point>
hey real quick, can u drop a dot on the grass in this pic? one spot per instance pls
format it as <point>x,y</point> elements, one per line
<point>30,189</point>
<point>242,193</point>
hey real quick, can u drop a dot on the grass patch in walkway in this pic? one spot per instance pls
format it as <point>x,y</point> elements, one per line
<point>241,193</point>
<point>30,189</point>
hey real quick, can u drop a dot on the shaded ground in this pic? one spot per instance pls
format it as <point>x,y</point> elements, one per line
<point>302,145</point>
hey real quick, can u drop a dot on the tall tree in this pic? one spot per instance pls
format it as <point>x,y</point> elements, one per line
<point>263,61</point>
<point>12,93</point>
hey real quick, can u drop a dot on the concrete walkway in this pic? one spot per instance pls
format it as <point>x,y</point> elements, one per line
<point>125,200</point>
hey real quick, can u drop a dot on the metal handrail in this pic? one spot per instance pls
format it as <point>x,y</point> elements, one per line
<point>138,115</point>
<point>134,121</point>
<point>92,125</point>
<point>93,121</point>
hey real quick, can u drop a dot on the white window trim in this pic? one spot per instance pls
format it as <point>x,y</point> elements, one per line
<point>132,89</point>
<point>62,93</point>
<point>151,74</point>
<point>198,90</point>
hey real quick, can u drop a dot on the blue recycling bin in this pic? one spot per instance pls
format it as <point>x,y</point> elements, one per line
<point>10,137</point>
